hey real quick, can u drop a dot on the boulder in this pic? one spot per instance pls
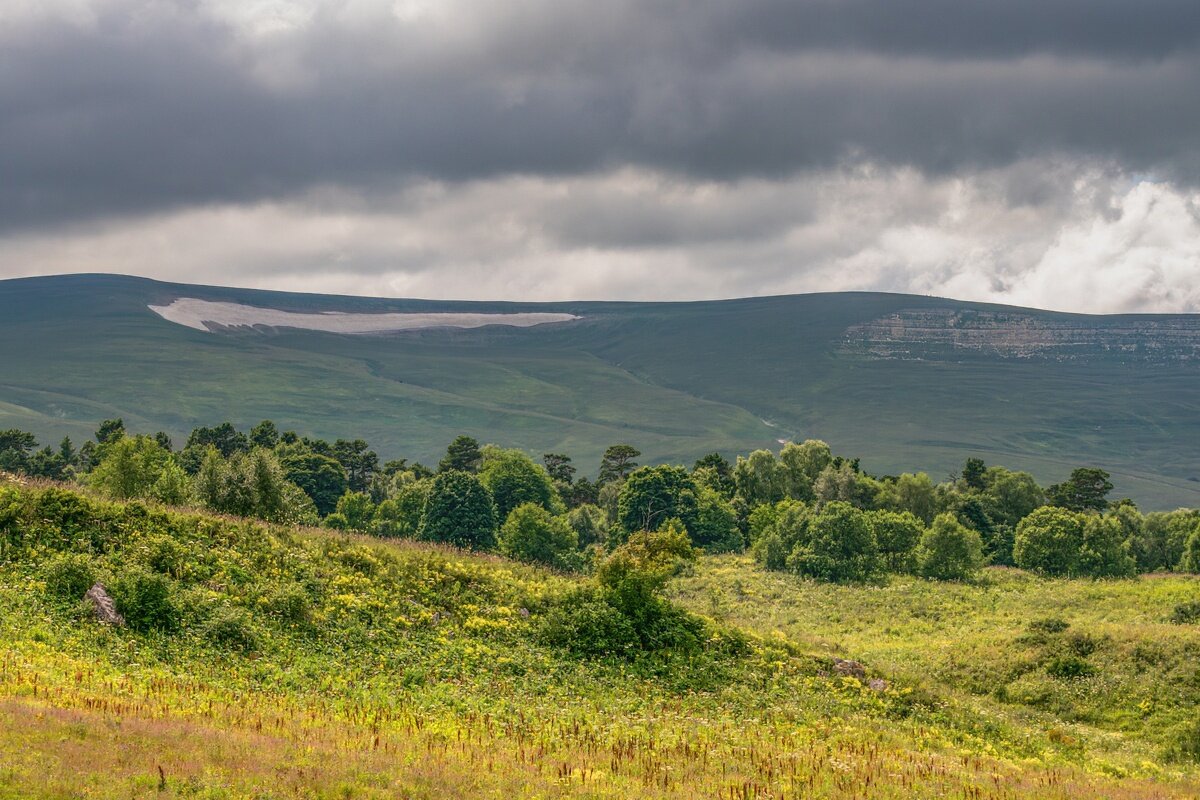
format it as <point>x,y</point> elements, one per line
<point>103,606</point>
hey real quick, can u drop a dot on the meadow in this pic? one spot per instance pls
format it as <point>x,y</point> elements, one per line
<point>288,662</point>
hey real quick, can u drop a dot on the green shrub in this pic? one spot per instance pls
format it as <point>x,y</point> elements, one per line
<point>532,534</point>
<point>1186,613</point>
<point>145,600</point>
<point>1080,644</point>
<point>841,546</point>
<point>585,623</point>
<point>289,604</point>
<point>69,576</point>
<point>459,511</point>
<point>231,629</point>
<point>1069,665</point>
<point>1184,742</point>
<point>949,551</point>
<point>1049,625</point>
<point>165,555</point>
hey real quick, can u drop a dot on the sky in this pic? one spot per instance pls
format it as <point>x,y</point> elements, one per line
<point>1036,152</point>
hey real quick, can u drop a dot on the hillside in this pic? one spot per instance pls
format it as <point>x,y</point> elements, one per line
<point>259,660</point>
<point>906,382</point>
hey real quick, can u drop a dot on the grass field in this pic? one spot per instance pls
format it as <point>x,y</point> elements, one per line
<point>359,668</point>
<point>675,380</point>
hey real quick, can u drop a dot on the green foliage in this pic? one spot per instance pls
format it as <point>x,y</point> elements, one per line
<point>776,531</point>
<point>1184,742</point>
<point>1186,613</point>
<point>230,629</point>
<point>251,484</point>
<point>264,435</point>
<point>132,467</point>
<point>359,462</point>
<point>1104,551</point>
<point>714,527</point>
<point>635,573</point>
<point>949,551</point>
<point>1069,665</point>
<point>321,477</point>
<point>110,430</point>
<point>801,465</point>
<point>758,478</point>
<point>618,462</point>
<point>916,494</point>
<point>840,546</point>
<point>225,438</point>
<point>974,474</point>
<point>1012,495</point>
<point>1163,543</point>
<point>1049,540</point>
<point>459,511</point>
<point>69,575</point>
<point>357,510</point>
<point>1190,560</point>
<point>715,472</point>
<point>896,534</point>
<point>462,455</point>
<point>15,450</point>
<point>532,534</point>
<point>590,524</point>
<point>514,480</point>
<point>146,601</point>
<point>652,495</point>
<point>400,515</point>
<point>1086,490</point>
<point>631,581</point>
<point>584,622</point>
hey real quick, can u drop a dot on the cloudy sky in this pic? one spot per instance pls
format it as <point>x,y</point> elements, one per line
<point>1041,152</point>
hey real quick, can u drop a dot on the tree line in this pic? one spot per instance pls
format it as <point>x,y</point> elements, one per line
<point>803,510</point>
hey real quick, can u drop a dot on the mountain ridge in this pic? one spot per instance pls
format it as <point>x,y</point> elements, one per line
<point>675,379</point>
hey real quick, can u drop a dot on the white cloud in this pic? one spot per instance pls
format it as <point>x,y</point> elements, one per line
<point>1045,234</point>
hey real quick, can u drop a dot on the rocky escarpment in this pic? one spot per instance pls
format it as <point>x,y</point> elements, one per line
<point>936,334</point>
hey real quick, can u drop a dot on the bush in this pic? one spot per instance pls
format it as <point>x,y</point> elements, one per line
<point>1069,665</point>
<point>532,534</point>
<point>949,551</point>
<point>459,511</point>
<point>231,629</point>
<point>144,600</point>
<point>165,555</point>
<point>1184,742</point>
<point>585,623</point>
<point>897,534</point>
<point>1049,625</point>
<point>631,580</point>
<point>1186,613</point>
<point>69,576</point>
<point>1049,541</point>
<point>289,603</point>
<point>841,546</point>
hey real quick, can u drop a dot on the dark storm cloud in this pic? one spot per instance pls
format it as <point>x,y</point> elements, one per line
<point>146,106</point>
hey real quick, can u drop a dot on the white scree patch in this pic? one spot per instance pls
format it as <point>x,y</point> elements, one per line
<point>203,314</point>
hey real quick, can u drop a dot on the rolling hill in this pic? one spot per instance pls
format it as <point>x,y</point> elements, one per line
<point>906,382</point>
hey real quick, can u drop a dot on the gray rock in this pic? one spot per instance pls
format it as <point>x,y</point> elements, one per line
<point>877,685</point>
<point>103,606</point>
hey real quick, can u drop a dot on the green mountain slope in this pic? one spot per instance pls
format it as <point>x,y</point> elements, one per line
<point>906,382</point>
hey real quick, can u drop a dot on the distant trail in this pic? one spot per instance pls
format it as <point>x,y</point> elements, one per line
<point>204,315</point>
